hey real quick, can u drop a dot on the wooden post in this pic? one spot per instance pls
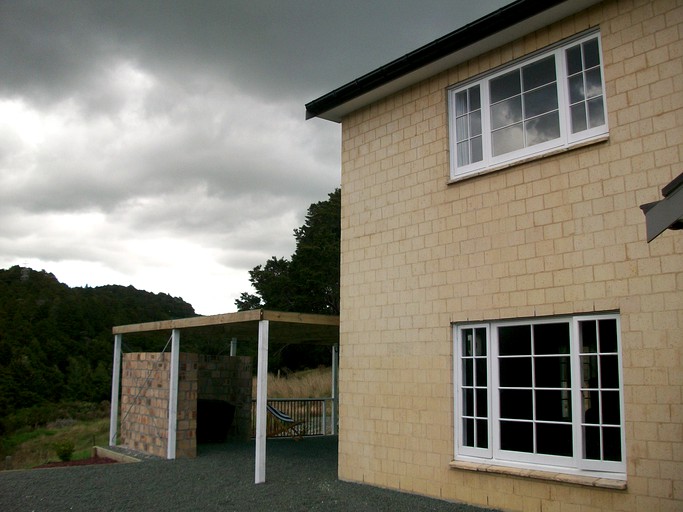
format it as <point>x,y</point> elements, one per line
<point>115,384</point>
<point>173,394</point>
<point>261,401</point>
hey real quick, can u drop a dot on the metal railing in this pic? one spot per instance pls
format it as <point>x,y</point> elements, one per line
<point>315,413</point>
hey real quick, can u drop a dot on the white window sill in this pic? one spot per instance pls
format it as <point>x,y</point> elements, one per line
<point>505,165</point>
<point>589,481</point>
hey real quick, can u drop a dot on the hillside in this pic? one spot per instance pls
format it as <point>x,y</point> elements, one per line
<point>56,341</point>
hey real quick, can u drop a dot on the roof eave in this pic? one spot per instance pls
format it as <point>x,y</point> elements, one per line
<point>489,32</point>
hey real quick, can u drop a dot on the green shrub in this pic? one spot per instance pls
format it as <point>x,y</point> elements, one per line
<point>64,450</point>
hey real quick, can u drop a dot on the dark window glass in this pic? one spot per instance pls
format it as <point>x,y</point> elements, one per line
<point>540,101</point>
<point>515,372</point>
<point>468,432</point>
<point>516,436</point>
<point>591,404</point>
<point>553,406</point>
<point>482,403</point>
<point>591,443</point>
<point>514,340</point>
<point>574,63</point>
<point>505,86</point>
<point>609,372</point>
<point>542,129</point>
<point>611,438</point>
<point>578,114</point>
<point>610,408</point>
<point>506,113</point>
<point>480,366</point>
<point>551,338</point>
<point>589,340</point>
<point>591,54</point>
<point>608,335</point>
<point>596,112</point>
<point>516,404</point>
<point>482,433</point>
<point>539,73</point>
<point>468,402</point>
<point>552,372</point>
<point>554,439</point>
<point>467,374</point>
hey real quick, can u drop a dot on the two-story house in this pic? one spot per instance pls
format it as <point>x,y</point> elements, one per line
<point>508,336</point>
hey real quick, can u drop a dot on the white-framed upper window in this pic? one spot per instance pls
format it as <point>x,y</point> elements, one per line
<point>551,100</point>
<point>541,393</point>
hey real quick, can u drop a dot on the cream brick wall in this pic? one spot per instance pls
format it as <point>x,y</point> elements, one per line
<point>561,234</point>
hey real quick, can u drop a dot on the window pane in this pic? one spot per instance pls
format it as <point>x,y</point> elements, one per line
<point>552,372</point>
<point>574,64</point>
<point>475,123</point>
<point>468,402</point>
<point>591,54</point>
<point>482,433</point>
<point>589,340</point>
<point>593,83</point>
<point>461,129</point>
<point>610,408</point>
<point>475,98</point>
<point>461,103</point>
<point>589,371</point>
<point>467,340</point>
<point>463,153</point>
<point>554,439</point>
<point>516,436</point>
<point>551,338</point>
<point>467,374</point>
<point>480,342</point>
<point>591,404</point>
<point>506,112</point>
<point>468,432</point>
<point>480,367</point>
<point>476,149</point>
<point>540,101</point>
<point>611,439</point>
<point>505,86</point>
<point>514,340</point>
<point>516,404</point>
<point>576,90</point>
<point>596,112</point>
<point>515,372</point>
<point>591,443</point>
<point>539,73</point>
<point>553,406</point>
<point>542,129</point>
<point>609,372</point>
<point>608,335</point>
<point>578,113</point>
<point>507,140</point>
<point>482,403</point>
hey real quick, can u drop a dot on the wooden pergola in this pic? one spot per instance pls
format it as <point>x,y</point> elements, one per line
<point>262,326</point>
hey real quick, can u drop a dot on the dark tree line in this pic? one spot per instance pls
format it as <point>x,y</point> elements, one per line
<point>56,342</point>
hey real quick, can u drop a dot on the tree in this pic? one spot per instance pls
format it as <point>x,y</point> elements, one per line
<point>309,282</point>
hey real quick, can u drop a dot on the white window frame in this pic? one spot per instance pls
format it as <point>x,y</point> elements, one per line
<point>565,141</point>
<point>493,454</point>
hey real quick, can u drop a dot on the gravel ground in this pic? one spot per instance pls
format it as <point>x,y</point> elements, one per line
<point>300,476</point>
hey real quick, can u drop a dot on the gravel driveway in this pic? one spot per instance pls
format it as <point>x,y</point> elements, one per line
<point>300,476</point>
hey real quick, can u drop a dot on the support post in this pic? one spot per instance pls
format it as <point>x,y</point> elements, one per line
<point>115,385</point>
<point>233,347</point>
<point>173,394</point>
<point>335,387</point>
<point>261,402</point>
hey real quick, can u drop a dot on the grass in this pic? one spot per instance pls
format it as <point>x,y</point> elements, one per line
<point>305,384</point>
<point>38,446</point>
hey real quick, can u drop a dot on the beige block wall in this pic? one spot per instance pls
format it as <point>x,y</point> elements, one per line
<point>144,403</point>
<point>562,234</point>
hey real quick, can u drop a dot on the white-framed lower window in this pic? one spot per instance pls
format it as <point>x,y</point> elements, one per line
<point>551,100</point>
<point>543,393</point>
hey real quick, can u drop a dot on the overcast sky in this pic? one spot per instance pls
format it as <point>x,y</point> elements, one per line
<point>163,144</point>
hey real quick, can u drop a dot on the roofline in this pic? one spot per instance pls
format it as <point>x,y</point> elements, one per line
<point>493,30</point>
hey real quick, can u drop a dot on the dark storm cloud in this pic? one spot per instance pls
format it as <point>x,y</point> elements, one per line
<point>153,136</point>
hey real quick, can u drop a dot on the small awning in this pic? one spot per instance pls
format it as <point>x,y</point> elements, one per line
<point>666,213</point>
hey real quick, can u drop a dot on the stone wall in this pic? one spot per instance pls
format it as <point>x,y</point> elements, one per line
<point>145,395</point>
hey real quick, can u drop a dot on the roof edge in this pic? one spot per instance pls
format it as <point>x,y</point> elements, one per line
<point>329,105</point>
